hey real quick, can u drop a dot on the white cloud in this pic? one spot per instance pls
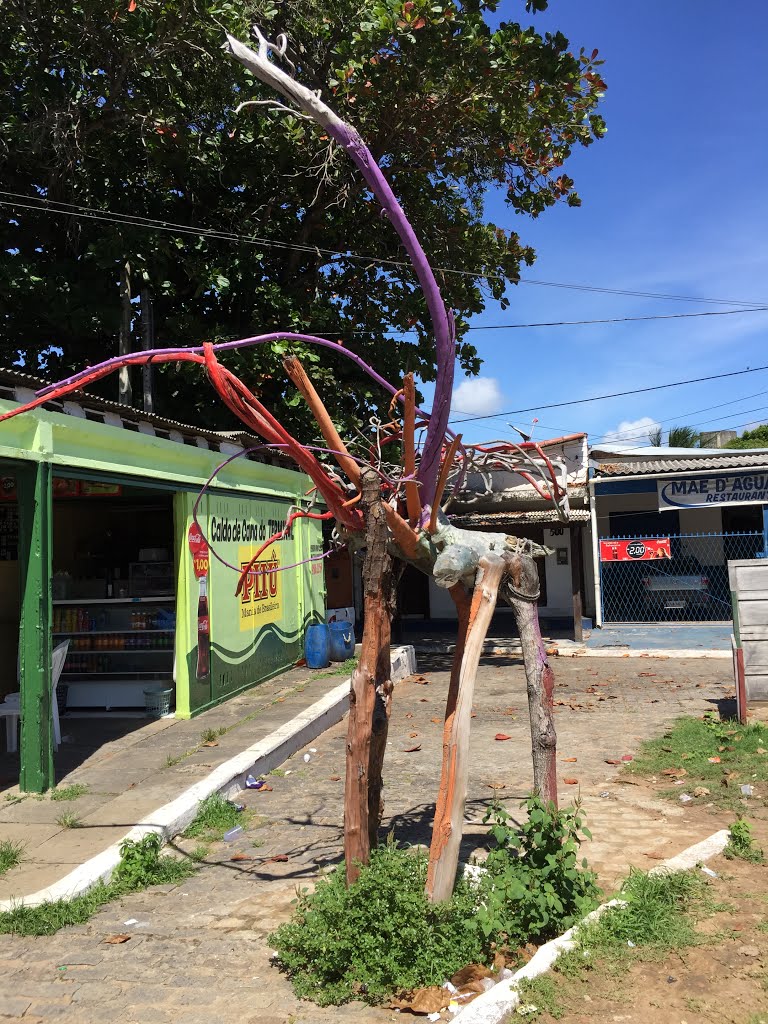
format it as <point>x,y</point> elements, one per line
<point>480,396</point>
<point>630,432</point>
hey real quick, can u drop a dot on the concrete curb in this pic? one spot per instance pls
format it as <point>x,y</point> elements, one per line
<point>569,649</point>
<point>494,1005</point>
<point>649,652</point>
<point>227,779</point>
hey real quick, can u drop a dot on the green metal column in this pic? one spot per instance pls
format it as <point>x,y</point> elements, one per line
<point>35,495</point>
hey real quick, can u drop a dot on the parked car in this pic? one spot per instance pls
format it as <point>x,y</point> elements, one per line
<point>677,584</point>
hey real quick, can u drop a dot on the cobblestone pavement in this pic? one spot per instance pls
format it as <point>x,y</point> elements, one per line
<point>199,951</point>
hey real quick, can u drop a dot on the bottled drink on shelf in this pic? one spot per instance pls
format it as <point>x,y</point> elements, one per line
<point>203,631</point>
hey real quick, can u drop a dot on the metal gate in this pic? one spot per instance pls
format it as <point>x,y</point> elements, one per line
<point>638,584</point>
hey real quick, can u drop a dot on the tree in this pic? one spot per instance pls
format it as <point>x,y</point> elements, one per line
<point>394,513</point>
<point>655,436</point>
<point>130,109</point>
<point>683,437</point>
<point>756,438</point>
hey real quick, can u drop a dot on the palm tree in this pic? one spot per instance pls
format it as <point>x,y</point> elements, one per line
<point>654,436</point>
<point>682,437</point>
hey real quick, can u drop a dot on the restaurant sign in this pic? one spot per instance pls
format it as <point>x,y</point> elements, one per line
<point>700,491</point>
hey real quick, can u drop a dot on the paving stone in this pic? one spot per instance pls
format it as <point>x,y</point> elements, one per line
<point>13,1006</point>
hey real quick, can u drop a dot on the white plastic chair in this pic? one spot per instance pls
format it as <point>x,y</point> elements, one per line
<point>10,709</point>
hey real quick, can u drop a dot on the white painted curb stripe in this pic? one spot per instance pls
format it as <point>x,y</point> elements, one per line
<point>492,1006</point>
<point>650,652</point>
<point>227,779</point>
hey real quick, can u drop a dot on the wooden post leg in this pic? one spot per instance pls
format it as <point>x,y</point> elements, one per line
<point>442,825</point>
<point>446,836</point>
<point>362,695</point>
<point>34,483</point>
<point>382,709</point>
<point>540,678</point>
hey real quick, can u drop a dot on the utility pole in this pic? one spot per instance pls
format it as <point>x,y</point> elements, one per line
<point>147,342</point>
<point>124,389</point>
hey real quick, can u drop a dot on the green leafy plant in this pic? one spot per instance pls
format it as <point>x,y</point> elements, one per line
<point>741,843</point>
<point>536,885</point>
<point>379,935</point>
<point>72,792</point>
<point>345,668</point>
<point>11,854</point>
<point>142,865</point>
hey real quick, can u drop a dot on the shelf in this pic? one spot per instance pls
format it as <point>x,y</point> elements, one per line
<point>120,650</point>
<point>105,677</point>
<point>112,632</point>
<point>117,600</point>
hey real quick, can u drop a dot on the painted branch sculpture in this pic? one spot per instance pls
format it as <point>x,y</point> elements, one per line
<point>394,512</point>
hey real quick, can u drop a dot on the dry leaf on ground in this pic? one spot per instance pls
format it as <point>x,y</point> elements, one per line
<point>500,736</point>
<point>569,759</point>
<point>412,750</point>
<point>117,940</point>
<point>423,1000</point>
<point>570,782</point>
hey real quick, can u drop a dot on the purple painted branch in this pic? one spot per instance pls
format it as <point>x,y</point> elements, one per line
<point>259,339</point>
<point>311,104</point>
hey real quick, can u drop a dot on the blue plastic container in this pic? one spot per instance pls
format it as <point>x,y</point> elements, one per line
<point>342,641</point>
<point>317,646</point>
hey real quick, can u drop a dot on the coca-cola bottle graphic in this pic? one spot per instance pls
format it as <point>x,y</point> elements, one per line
<point>203,631</point>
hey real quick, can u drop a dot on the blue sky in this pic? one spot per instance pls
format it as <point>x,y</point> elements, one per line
<point>675,200</point>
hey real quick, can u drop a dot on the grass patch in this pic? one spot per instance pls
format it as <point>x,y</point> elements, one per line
<point>215,816</point>
<point>11,854</point>
<point>659,917</point>
<point>345,668</point>
<point>141,865</point>
<point>537,996</point>
<point>72,792</point>
<point>691,743</point>
<point>69,820</point>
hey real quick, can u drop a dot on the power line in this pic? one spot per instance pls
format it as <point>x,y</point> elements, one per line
<point>615,394</point>
<point>135,220</point>
<point>616,319</point>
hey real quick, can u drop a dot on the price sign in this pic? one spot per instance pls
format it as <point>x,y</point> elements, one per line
<point>198,547</point>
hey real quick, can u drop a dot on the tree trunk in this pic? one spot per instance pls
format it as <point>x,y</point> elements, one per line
<point>362,697</point>
<point>124,388</point>
<point>521,591</point>
<point>442,825</point>
<point>382,707</point>
<point>447,831</point>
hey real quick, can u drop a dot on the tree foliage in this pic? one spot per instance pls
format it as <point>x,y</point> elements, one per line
<point>130,110</point>
<point>757,438</point>
<point>683,437</point>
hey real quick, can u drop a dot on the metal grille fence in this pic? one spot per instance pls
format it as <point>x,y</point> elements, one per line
<point>691,586</point>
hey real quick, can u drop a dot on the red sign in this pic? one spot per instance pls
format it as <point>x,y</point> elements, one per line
<point>198,546</point>
<point>635,550</point>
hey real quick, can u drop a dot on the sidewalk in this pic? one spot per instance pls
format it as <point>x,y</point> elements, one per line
<point>146,765</point>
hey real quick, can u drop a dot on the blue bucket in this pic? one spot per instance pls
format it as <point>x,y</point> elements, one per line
<point>342,641</point>
<point>317,646</point>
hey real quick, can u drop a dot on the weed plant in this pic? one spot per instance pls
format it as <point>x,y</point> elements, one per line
<point>77,789</point>
<point>69,820</point>
<point>11,854</point>
<point>741,844</point>
<point>215,816</point>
